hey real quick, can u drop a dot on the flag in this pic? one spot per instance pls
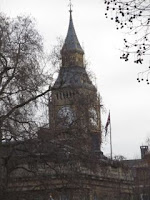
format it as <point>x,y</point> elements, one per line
<point>107,124</point>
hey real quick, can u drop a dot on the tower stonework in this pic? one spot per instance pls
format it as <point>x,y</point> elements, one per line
<point>75,104</point>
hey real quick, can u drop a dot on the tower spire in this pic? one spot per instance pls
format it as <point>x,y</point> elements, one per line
<point>72,48</point>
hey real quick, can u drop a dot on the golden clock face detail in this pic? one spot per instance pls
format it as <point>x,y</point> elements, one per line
<point>93,117</point>
<point>66,115</point>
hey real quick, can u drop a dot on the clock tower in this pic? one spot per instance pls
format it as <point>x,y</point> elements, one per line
<point>75,104</point>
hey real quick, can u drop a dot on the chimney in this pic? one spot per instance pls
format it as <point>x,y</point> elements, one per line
<point>144,151</point>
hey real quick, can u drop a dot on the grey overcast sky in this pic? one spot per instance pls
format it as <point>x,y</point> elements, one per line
<point>128,101</point>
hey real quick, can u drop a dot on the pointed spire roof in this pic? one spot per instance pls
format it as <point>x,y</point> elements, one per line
<point>71,41</point>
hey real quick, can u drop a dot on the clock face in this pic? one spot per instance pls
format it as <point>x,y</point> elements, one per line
<point>66,115</point>
<point>93,117</point>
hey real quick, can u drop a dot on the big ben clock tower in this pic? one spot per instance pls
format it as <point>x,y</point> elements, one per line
<point>75,105</point>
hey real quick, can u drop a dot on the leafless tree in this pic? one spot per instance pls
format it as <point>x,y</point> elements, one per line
<point>22,78</point>
<point>132,16</point>
<point>55,55</point>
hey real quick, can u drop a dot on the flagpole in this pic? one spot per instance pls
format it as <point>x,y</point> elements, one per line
<point>110,141</point>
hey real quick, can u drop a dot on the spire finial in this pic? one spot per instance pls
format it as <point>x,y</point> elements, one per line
<point>70,5</point>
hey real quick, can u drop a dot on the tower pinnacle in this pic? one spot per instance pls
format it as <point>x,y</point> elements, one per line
<point>70,5</point>
<point>72,52</point>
